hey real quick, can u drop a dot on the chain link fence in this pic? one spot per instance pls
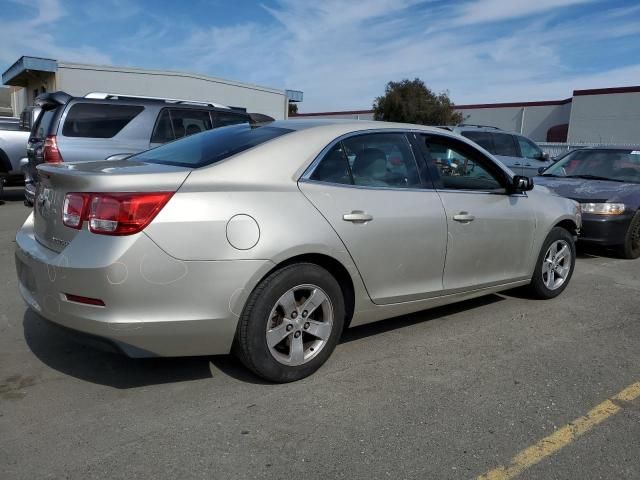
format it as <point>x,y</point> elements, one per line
<point>555,149</point>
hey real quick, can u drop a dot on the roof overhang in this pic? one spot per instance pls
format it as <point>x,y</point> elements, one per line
<point>18,73</point>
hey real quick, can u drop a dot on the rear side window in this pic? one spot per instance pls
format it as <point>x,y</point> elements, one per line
<point>211,147</point>
<point>94,120</point>
<point>41,127</point>
<point>503,144</point>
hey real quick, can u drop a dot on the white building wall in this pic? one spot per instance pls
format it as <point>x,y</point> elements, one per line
<point>78,80</point>
<point>608,118</point>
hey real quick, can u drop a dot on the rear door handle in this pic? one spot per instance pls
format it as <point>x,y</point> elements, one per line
<point>357,216</point>
<point>464,217</point>
<point>517,164</point>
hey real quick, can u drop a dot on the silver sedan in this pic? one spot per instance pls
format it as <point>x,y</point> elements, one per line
<point>269,241</point>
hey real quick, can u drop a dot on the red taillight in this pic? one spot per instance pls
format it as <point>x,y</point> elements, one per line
<point>50,151</point>
<point>113,213</point>
<point>74,210</point>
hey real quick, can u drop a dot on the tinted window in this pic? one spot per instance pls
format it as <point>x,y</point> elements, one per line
<point>381,160</point>
<point>529,149</point>
<point>163,132</point>
<point>41,127</point>
<point>210,147</point>
<point>92,120</point>
<point>481,138</point>
<point>459,168</point>
<point>189,122</point>
<point>224,118</point>
<point>503,144</point>
<point>334,167</point>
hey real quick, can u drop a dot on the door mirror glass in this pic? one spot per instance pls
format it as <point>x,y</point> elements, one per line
<point>541,170</point>
<point>522,184</point>
<point>118,156</point>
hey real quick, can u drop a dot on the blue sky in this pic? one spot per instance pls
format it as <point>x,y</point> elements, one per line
<point>342,53</point>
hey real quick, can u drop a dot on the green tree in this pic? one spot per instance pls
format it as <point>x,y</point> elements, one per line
<point>410,101</point>
<point>293,108</point>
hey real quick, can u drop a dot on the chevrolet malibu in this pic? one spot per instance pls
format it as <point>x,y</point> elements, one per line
<point>268,241</point>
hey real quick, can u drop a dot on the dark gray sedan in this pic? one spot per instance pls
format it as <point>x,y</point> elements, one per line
<point>606,182</point>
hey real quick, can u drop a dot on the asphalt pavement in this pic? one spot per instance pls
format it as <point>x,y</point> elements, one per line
<point>501,386</point>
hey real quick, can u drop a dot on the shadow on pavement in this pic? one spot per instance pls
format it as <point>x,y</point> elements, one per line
<point>61,350</point>
<point>376,328</point>
<point>94,361</point>
<point>12,194</point>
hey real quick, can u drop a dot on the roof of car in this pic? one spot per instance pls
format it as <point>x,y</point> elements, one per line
<point>348,125</point>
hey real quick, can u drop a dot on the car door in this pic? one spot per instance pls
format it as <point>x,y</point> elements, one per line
<point>490,232</point>
<point>369,188</point>
<point>532,157</point>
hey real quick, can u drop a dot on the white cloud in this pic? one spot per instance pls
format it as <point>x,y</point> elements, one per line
<point>483,11</point>
<point>32,35</point>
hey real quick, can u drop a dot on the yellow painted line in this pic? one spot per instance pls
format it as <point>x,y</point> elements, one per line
<point>562,437</point>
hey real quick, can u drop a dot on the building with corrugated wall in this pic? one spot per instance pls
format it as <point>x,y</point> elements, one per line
<point>32,76</point>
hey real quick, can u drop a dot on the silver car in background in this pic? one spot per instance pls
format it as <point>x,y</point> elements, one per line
<point>268,241</point>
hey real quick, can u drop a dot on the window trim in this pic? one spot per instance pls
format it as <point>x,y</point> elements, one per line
<point>424,185</point>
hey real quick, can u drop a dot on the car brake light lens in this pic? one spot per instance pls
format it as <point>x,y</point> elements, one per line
<point>113,213</point>
<point>50,151</point>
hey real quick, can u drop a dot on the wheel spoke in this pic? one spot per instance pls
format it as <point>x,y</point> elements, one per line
<point>550,279</point>
<point>288,303</point>
<point>553,249</point>
<point>562,271</point>
<point>296,352</point>
<point>321,330</point>
<point>316,299</point>
<point>563,253</point>
<point>277,334</point>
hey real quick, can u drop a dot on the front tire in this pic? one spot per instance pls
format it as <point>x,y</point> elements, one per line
<point>291,323</point>
<point>555,265</point>
<point>631,247</point>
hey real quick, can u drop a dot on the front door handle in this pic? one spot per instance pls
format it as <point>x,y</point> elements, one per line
<point>464,217</point>
<point>357,216</point>
<point>517,164</point>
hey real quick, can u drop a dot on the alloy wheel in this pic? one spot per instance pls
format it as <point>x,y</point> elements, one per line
<point>299,325</point>
<point>556,264</point>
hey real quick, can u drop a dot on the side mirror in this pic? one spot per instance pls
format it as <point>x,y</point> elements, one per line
<point>541,170</point>
<point>522,184</point>
<point>118,156</point>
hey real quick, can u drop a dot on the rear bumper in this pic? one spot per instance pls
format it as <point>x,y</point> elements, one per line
<point>605,230</point>
<point>155,305</point>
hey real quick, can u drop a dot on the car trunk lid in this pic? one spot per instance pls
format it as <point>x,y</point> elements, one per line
<point>106,176</point>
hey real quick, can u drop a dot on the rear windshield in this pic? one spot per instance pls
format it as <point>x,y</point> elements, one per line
<point>211,146</point>
<point>94,120</point>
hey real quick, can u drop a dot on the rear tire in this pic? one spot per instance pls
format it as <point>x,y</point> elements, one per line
<point>630,249</point>
<point>554,266</point>
<point>291,323</point>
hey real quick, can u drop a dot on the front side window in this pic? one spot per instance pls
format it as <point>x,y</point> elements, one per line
<point>529,149</point>
<point>459,167</point>
<point>94,120</point>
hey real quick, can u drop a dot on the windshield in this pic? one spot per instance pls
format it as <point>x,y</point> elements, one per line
<point>616,165</point>
<point>211,146</point>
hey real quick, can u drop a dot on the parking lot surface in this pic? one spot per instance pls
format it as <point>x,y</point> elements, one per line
<point>486,387</point>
